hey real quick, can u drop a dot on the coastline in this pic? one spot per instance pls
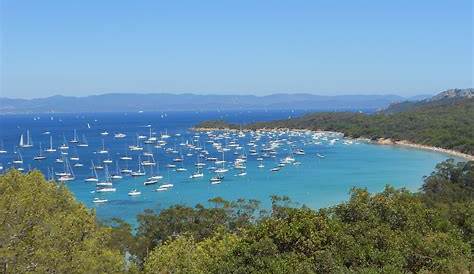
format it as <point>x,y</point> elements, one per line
<point>404,143</point>
<point>380,141</point>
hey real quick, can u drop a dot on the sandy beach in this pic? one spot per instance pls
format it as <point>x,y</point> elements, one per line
<point>424,147</point>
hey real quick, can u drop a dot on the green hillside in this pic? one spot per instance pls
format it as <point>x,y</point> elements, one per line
<point>447,124</point>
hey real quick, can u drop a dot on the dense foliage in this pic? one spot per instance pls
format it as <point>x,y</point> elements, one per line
<point>449,125</point>
<point>198,222</point>
<point>450,190</point>
<point>44,230</point>
<point>393,231</point>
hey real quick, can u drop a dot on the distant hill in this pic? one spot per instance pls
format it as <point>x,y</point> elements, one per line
<point>448,97</point>
<point>454,94</point>
<point>130,102</point>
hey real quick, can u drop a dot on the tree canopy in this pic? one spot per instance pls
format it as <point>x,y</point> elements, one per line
<point>393,231</point>
<point>45,230</point>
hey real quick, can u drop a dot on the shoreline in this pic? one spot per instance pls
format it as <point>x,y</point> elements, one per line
<point>404,143</point>
<point>380,141</point>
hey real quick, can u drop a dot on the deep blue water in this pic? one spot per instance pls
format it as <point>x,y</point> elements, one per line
<point>317,182</point>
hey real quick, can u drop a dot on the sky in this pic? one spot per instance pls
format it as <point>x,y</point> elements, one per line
<point>234,47</point>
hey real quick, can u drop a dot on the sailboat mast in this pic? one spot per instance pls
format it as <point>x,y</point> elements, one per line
<point>94,171</point>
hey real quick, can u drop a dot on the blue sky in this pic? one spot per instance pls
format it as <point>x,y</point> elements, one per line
<point>235,47</point>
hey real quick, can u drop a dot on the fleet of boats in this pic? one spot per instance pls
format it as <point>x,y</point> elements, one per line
<point>213,154</point>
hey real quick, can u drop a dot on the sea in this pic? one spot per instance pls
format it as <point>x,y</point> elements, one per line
<point>322,174</point>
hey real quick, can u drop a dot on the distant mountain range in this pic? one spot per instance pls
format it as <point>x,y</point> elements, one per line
<point>448,97</point>
<point>122,102</point>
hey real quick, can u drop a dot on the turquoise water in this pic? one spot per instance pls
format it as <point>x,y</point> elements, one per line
<point>316,182</point>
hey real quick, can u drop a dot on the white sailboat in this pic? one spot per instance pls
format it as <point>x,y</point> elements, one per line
<point>150,161</point>
<point>197,174</point>
<point>120,135</point>
<point>261,165</point>
<point>164,187</point>
<point>19,159</point>
<point>151,139</point>
<point>94,178</point>
<point>106,189</point>
<point>300,152</point>
<point>2,148</point>
<point>29,142</point>
<point>106,185</point>
<point>40,156</point>
<point>134,193</point>
<point>165,136</point>
<point>126,158</point>
<point>241,173</point>
<point>216,180</point>
<point>99,200</point>
<point>136,147</point>
<point>107,160</point>
<point>126,170</point>
<point>74,157</point>
<point>68,174</point>
<point>83,143</point>
<point>51,148</point>
<point>154,178</point>
<point>182,168</point>
<point>116,175</point>
<point>74,139</point>
<point>64,146</point>
<point>59,160</point>
<point>139,172</point>
<point>103,150</point>
<point>222,169</point>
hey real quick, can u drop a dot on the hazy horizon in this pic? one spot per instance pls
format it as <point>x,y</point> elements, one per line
<point>217,94</point>
<point>404,48</point>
